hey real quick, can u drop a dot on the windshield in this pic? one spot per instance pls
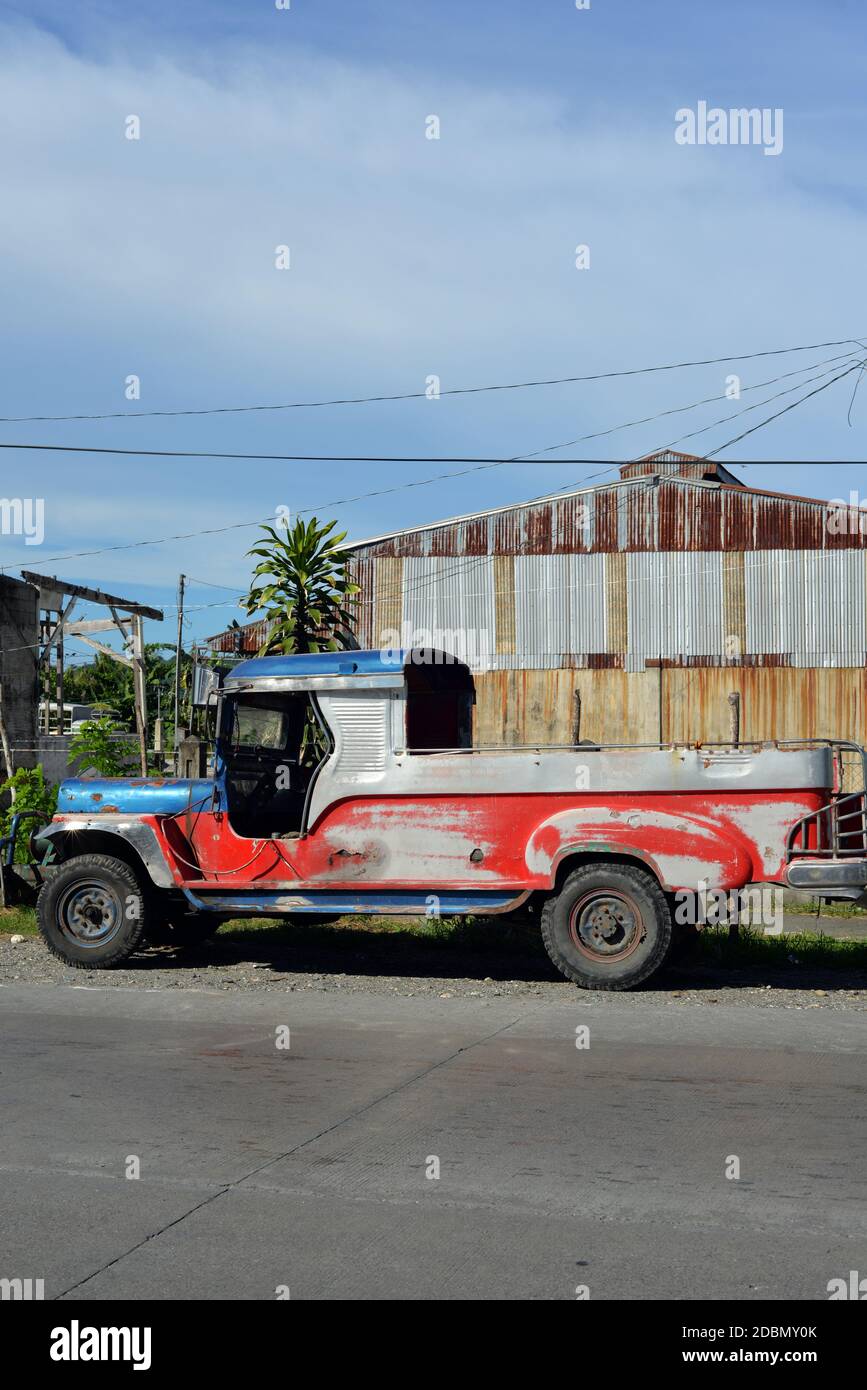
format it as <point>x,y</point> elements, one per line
<point>259,728</point>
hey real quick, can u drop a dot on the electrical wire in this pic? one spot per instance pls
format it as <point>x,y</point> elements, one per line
<point>758,404</point>
<point>415,395</point>
<point>479,466</point>
<point>738,437</point>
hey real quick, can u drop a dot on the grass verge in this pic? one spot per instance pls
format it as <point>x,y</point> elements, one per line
<point>753,948</point>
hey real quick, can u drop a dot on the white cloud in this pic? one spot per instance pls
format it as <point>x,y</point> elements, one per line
<point>409,256</point>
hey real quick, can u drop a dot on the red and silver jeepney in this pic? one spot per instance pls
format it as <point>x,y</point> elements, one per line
<point>348,783</point>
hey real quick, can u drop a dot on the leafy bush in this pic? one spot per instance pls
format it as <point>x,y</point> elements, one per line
<point>96,747</point>
<point>32,793</point>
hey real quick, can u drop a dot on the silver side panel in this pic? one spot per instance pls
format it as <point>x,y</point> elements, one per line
<point>369,757</point>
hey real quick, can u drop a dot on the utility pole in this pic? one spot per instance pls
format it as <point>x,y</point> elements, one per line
<point>178,650</point>
<point>140,689</point>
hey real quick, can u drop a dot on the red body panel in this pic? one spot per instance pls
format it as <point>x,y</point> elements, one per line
<point>495,841</point>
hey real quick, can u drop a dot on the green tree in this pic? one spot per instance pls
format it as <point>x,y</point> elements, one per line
<point>32,793</point>
<point>101,682</point>
<point>303,589</point>
<point>107,683</point>
<point>96,747</point>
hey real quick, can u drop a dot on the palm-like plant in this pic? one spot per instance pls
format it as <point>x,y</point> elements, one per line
<point>306,593</point>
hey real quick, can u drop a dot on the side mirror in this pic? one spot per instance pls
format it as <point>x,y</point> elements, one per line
<point>212,711</point>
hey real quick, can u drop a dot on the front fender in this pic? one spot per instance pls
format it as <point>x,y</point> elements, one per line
<point>140,837</point>
<point>684,851</point>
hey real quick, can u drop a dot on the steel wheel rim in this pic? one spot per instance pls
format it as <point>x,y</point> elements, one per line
<point>606,927</point>
<point>90,914</point>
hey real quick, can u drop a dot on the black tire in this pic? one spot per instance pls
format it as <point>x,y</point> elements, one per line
<point>684,937</point>
<point>609,927</point>
<point>91,912</point>
<point>180,928</point>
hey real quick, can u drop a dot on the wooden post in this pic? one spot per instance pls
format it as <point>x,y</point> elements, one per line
<point>46,678</point>
<point>576,718</point>
<point>735,717</point>
<point>178,653</point>
<point>661,714</point>
<point>58,676</point>
<point>139,690</point>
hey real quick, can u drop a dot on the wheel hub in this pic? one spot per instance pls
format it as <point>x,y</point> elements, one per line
<point>606,925</point>
<point>90,914</point>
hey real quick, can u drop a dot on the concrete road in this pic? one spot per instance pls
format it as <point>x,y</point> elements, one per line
<point>264,1167</point>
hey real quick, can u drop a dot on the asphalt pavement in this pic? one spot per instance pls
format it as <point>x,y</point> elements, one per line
<point>426,1148</point>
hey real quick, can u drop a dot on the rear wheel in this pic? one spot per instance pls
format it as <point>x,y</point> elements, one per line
<point>609,927</point>
<point>91,912</point>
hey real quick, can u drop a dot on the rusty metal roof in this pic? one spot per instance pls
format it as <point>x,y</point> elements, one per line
<point>656,511</point>
<point>669,461</point>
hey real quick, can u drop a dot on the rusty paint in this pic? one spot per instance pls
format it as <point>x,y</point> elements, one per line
<point>727,839</point>
<point>676,512</point>
<point>504,602</point>
<point>616,604</point>
<point>691,506</point>
<point>778,701</point>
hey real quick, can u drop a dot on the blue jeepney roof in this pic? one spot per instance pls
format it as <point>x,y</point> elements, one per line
<point>321,664</point>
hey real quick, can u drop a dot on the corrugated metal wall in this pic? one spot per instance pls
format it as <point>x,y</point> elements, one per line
<point>651,599</point>
<point>538,612</point>
<point>811,605</point>
<point>624,707</point>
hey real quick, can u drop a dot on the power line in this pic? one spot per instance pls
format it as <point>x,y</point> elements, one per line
<point>681,409</point>
<point>758,404</point>
<point>778,413</point>
<point>303,511</point>
<point>416,395</point>
<point>279,458</point>
<point>208,583</point>
<point>478,465</point>
<point>471,459</point>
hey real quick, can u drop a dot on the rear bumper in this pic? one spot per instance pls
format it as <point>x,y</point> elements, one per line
<point>845,878</point>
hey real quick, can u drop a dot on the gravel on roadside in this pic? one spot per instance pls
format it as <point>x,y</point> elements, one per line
<point>430,969</point>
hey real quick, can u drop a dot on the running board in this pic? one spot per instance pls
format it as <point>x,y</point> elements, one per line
<point>380,904</point>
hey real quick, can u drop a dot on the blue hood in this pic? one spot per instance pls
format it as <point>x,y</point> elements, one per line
<point>154,796</point>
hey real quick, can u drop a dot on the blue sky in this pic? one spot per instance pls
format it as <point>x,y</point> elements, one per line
<point>409,257</point>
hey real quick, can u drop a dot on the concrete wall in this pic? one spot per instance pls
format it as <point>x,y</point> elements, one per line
<point>53,754</point>
<point>19,633</point>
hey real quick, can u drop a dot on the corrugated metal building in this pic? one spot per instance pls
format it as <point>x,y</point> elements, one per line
<point>650,598</point>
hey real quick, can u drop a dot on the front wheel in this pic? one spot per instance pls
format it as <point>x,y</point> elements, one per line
<point>91,912</point>
<point>609,927</point>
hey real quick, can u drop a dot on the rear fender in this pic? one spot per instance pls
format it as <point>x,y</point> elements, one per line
<point>684,851</point>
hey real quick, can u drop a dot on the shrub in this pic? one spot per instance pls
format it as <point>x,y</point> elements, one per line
<point>32,793</point>
<point>96,747</point>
